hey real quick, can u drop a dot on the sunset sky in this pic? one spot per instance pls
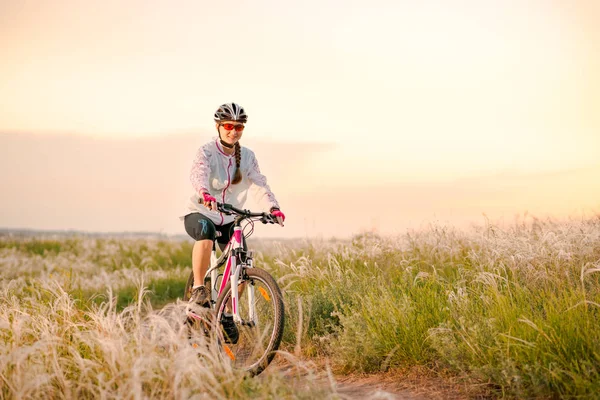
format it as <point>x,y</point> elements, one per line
<point>364,115</point>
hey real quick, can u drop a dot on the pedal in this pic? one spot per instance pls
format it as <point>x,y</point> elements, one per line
<point>201,314</point>
<point>203,318</point>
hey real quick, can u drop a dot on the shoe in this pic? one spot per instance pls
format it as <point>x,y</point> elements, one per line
<point>230,329</point>
<point>200,296</point>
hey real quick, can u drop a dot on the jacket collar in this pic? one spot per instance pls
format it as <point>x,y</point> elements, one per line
<point>220,148</point>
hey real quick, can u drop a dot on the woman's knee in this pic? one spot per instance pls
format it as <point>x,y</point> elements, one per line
<point>204,244</point>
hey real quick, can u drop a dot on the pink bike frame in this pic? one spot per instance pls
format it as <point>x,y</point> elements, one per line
<point>232,273</point>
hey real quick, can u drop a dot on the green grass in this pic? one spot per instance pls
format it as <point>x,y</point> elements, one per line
<point>116,254</point>
<point>40,247</point>
<point>108,252</point>
<point>517,309</point>
<point>160,292</point>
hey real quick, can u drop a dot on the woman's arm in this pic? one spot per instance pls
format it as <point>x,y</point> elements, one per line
<point>200,171</point>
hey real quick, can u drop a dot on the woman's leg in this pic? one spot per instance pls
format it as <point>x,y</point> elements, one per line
<point>201,260</point>
<point>203,231</point>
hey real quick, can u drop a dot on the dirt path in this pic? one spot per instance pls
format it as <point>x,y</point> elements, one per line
<point>396,384</point>
<point>373,387</point>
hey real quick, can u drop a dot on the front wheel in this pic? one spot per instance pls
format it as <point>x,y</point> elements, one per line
<point>262,317</point>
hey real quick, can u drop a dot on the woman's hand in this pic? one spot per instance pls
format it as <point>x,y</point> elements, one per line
<point>208,201</point>
<point>279,215</point>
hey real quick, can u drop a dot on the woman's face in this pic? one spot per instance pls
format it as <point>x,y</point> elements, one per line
<point>232,135</point>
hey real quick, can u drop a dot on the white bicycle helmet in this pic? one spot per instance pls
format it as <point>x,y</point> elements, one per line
<point>231,112</point>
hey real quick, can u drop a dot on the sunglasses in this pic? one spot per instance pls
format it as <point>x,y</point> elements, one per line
<point>238,128</point>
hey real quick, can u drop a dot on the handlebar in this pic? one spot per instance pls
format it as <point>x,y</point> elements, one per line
<point>265,218</point>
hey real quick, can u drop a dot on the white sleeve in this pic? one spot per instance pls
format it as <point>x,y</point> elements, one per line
<point>200,171</point>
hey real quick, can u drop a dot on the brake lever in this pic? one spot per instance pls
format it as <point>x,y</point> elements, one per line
<point>267,219</point>
<point>224,210</point>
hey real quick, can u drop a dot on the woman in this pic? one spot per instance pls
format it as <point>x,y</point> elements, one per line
<point>222,171</point>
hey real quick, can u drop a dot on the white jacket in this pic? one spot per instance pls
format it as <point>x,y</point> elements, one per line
<point>213,171</point>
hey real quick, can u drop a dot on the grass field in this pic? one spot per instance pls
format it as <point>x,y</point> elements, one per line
<point>513,312</point>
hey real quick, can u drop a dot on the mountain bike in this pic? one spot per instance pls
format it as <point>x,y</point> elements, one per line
<point>250,294</point>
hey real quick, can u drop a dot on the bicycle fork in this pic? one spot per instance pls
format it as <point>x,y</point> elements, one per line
<point>236,270</point>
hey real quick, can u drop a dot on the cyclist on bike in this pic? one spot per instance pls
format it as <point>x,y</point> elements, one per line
<point>222,171</point>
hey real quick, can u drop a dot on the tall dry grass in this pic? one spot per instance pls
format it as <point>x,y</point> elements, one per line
<point>514,310</point>
<point>57,343</point>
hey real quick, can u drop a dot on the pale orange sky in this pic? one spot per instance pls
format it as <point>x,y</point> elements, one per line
<point>141,184</point>
<point>490,106</point>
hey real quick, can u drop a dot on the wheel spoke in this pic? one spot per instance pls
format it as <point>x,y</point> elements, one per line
<point>256,343</point>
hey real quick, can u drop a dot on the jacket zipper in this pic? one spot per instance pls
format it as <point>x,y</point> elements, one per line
<point>224,190</point>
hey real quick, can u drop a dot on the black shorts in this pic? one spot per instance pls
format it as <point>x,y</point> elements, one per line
<point>200,227</point>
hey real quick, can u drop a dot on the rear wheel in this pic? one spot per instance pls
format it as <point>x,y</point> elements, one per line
<point>261,310</point>
<point>187,293</point>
